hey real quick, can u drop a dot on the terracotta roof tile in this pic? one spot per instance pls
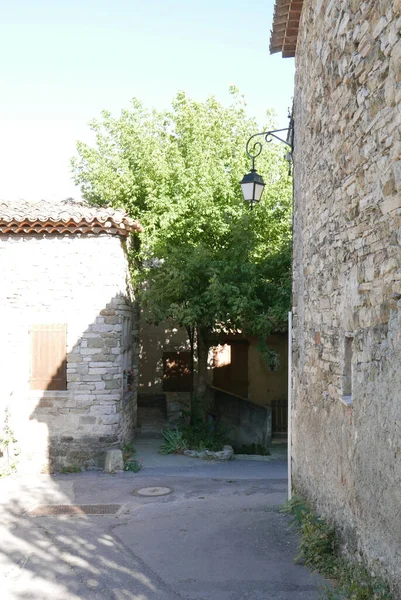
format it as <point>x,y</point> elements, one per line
<point>284,34</point>
<point>63,217</point>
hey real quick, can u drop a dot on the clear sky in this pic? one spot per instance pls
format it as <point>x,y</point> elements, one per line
<point>63,61</point>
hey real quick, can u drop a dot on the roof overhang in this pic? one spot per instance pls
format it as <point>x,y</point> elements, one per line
<point>284,34</point>
<point>63,217</point>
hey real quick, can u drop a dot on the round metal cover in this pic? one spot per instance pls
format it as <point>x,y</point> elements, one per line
<point>153,491</point>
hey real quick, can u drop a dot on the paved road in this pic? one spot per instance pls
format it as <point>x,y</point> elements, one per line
<point>218,536</point>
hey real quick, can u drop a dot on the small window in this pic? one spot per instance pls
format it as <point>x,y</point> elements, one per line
<point>48,357</point>
<point>126,347</point>
<point>347,372</point>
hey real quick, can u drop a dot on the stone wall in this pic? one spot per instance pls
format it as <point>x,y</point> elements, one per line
<point>246,423</point>
<point>347,272</point>
<point>80,282</point>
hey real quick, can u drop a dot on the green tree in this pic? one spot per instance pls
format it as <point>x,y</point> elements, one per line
<point>204,260</point>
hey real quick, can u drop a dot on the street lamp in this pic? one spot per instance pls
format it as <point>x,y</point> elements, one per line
<point>252,184</point>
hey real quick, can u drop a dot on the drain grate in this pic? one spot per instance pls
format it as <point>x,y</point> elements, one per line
<point>45,510</point>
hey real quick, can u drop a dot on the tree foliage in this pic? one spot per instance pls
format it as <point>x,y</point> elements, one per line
<point>208,261</point>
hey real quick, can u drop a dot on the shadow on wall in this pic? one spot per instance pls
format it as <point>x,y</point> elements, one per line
<point>158,343</point>
<point>82,397</point>
<point>64,558</point>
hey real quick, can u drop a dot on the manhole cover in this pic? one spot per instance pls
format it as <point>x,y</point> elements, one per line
<point>46,510</point>
<point>153,491</point>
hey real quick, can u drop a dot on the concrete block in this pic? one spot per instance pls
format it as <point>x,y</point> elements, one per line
<point>114,461</point>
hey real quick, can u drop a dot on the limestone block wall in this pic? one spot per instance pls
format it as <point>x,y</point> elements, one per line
<point>80,282</point>
<point>347,271</point>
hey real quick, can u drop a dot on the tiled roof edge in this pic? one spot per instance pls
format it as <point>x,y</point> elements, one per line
<point>63,217</point>
<point>284,34</point>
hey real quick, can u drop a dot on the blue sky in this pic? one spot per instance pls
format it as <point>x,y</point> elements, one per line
<point>62,62</point>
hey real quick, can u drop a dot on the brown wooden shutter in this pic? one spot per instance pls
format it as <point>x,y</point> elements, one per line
<point>49,357</point>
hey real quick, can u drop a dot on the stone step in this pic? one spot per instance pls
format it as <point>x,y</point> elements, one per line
<point>151,415</point>
<point>150,410</point>
<point>149,432</point>
<point>152,400</point>
<point>151,418</point>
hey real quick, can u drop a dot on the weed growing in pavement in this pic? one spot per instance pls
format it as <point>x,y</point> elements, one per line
<point>200,436</point>
<point>128,451</point>
<point>197,436</point>
<point>130,463</point>
<point>71,469</point>
<point>319,549</point>
<point>173,442</point>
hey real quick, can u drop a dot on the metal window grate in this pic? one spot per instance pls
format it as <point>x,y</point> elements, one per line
<point>46,510</point>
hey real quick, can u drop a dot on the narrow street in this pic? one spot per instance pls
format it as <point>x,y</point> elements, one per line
<point>216,535</point>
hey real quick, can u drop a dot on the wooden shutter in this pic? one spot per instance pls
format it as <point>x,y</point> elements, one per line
<point>177,372</point>
<point>49,357</point>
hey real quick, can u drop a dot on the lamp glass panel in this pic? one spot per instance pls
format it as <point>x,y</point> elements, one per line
<point>247,191</point>
<point>259,187</point>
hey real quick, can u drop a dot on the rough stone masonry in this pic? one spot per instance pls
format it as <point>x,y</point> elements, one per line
<point>347,272</point>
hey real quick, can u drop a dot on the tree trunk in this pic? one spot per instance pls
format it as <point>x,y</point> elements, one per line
<point>199,396</point>
<point>191,337</point>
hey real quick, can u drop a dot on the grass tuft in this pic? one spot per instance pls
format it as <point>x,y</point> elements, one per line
<point>319,549</point>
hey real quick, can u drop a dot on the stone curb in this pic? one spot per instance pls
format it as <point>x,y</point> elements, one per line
<point>257,457</point>
<point>226,454</point>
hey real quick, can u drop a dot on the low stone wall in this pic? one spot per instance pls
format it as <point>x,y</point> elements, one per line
<point>247,423</point>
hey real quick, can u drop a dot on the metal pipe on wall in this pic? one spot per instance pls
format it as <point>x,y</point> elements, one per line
<point>289,401</point>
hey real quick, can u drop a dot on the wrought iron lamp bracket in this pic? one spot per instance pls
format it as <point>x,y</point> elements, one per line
<point>254,148</point>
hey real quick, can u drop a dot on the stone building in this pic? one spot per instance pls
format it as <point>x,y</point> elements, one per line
<point>347,266</point>
<point>68,332</point>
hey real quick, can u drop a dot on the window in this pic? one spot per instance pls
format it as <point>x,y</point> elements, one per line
<point>347,371</point>
<point>126,347</point>
<point>48,357</point>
